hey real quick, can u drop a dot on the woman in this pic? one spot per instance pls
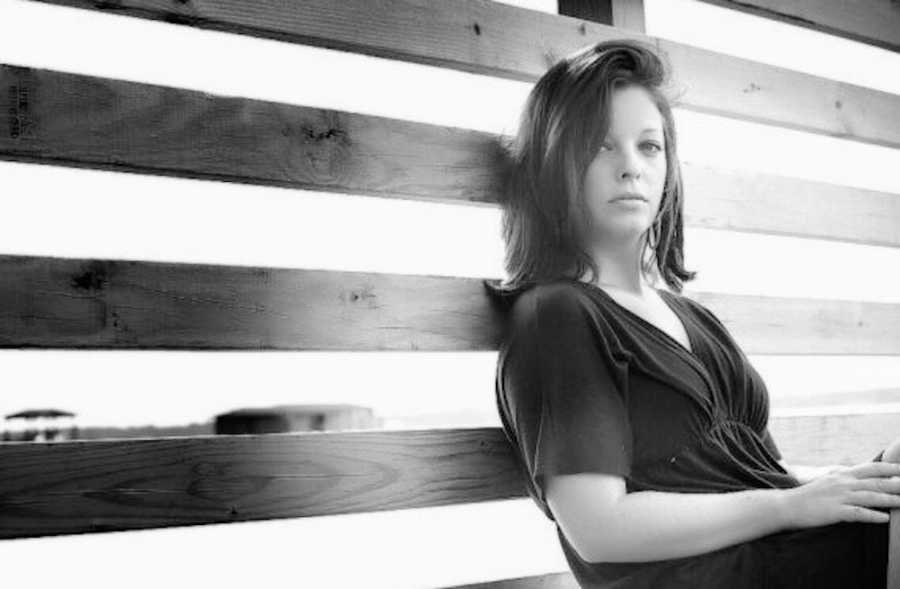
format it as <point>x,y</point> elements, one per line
<point>639,421</point>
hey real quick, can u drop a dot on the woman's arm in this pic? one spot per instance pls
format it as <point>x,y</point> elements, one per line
<point>655,525</point>
<point>805,473</point>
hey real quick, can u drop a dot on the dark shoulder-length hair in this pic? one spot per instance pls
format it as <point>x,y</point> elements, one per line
<point>562,125</point>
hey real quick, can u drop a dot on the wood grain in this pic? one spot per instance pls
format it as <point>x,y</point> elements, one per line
<point>492,38</point>
<point>833,439</point>
<point>50,302</point>
<point>103,485</point>
<point>66,119</point>
<point>874,22</point>
<point>121,304</point>
<point>561,580</point>
<point>52,488</point>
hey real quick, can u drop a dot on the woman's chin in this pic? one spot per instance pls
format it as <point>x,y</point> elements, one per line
<point>624,230</point>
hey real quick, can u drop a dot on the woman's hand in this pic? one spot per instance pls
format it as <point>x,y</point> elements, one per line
<point>805,473</point>
<point>845,493</point>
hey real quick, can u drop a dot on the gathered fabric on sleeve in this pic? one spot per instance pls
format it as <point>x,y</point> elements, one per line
<point>562,392</point>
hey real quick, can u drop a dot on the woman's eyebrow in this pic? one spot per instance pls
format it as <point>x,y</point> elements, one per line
<point>656,129</point>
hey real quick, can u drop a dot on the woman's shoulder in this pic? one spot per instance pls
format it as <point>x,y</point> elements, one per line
<point>564,310</point>
<point>552,300</point>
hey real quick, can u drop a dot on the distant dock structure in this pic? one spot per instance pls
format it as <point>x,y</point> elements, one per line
<point>39,425</point>
<point>296,418</point>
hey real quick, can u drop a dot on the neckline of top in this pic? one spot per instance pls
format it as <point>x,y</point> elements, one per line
<point>664,295</point>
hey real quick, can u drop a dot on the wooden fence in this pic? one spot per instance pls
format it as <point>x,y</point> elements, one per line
<point>63,119</point>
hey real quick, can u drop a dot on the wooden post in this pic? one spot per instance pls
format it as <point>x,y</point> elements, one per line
<point>623,14</point>
<point>893,566</point>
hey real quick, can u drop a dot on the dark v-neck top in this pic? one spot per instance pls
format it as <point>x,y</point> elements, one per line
<point>583,384</point>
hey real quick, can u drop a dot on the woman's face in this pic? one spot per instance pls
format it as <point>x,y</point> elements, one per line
<point>631,159</point>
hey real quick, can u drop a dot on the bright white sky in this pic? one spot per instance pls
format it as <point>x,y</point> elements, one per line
<point>110,215</point>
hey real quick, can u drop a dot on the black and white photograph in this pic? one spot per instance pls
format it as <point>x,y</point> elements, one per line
<point>450,294</point>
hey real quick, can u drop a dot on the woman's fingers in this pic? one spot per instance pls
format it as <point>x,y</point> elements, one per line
<point>883,491</point>
<point>876,469</point>
<point>856,513</point>
<point>876,499</point>
<point>889,484</point>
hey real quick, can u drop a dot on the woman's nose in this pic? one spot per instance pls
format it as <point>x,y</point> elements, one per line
<point>630,164</point>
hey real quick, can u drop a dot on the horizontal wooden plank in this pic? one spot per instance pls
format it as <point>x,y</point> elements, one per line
<point>728,86</point>
<point>51,302</point>
<point>104,485</point>
<point>782,325</point>
<point>833,439</point>
<point>493,38</point>
<point>771,204</point>
<point>84,121</point>
<point>53,488</point>
<point>869,401</point>
<point>81,303</point>
<point>561,580</point>
<point>130,127</point>
<point>874,22</point>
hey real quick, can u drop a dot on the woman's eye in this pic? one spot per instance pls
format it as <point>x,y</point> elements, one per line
<point>646,143</point>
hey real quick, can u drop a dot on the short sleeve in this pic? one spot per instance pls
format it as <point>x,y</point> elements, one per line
<point>565,390</point>
<point>769,443</point>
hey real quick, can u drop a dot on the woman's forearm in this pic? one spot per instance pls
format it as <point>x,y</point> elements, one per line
<point>655,525</point>
<point>804,473</point>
